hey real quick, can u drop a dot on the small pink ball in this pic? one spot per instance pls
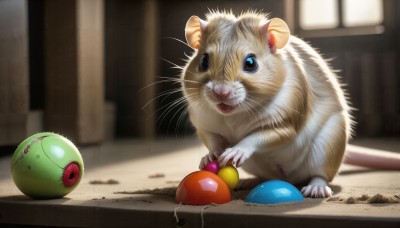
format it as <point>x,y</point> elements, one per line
<point>212,167</point>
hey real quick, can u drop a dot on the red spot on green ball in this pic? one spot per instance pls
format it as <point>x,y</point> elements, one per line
<point>71,174</point>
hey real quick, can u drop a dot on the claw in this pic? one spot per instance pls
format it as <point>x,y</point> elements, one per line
<point>207,159</point>
<point>225,157</point>
<point>317,188</point>
<point>235,160</point>
<point>237,155</point>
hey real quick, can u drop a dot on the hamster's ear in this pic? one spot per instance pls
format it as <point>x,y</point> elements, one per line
<point>193,31</point>
<point>277,32</point>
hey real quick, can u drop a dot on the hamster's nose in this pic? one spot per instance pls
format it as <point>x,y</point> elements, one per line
<point>222,92</point>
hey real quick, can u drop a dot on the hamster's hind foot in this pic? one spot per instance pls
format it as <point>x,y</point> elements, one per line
<point>317,188</point>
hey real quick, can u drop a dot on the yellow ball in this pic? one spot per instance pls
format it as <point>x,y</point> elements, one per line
<point>229,175</point>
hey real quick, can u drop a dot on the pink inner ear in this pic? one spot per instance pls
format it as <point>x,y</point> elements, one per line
<point>271,42</point>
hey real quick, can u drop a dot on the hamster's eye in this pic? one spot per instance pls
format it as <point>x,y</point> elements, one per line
<point>204,63</point>
<point>250,63</point>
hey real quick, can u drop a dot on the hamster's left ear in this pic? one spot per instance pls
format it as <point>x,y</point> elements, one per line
<point>277,32</point>
<point>194,30</point>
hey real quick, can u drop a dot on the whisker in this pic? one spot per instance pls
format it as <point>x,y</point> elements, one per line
<point>249,109</point>
<point>178,111</point>
<point>173,103</point>
<point>176,66</point>
<point>184,114</point>
<point>182,80</point>
<point>171,106</point>
<point>176,39</point>
<point>253,103</point>
<point>187,56</point>
<point>166,93</point>
<point>157,82</point>
<point>181,117</point>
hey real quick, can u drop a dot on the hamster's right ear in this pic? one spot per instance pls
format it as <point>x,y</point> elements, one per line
<point>277,32</point>
<point>193,31</point>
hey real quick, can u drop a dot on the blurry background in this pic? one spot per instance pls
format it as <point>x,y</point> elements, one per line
<point>95,70</point>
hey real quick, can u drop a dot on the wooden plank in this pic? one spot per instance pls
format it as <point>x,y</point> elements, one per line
<point>74,69</point>
<point>90,123</point>
<point>14,87</point>
<point>131,64</point>
<point>147,116</point>
<point>60,67</point>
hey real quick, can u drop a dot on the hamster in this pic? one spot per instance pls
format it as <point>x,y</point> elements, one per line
<point>264,100</point>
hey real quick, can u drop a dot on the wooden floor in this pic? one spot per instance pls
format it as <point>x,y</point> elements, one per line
<point>130,183</point>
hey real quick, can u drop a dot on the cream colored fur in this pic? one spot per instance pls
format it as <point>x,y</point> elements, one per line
<point>289,120</point>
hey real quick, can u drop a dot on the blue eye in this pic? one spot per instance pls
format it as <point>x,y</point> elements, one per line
<point>250,63</point>
<point>204,63</point>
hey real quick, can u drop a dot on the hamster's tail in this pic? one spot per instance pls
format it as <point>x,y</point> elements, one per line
<point>371,158</point>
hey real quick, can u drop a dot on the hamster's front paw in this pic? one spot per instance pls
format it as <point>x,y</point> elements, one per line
<point>237,155</point>
<point>210,157</point>
<point>317,188</point>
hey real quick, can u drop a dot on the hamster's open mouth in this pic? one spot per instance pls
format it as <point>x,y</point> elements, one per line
<point>224,108</point>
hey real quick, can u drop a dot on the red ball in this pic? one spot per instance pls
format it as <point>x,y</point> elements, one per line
<point>212,167</point>
<point>202,188</point>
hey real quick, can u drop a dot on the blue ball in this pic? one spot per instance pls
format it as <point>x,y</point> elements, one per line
<point>273,192</point>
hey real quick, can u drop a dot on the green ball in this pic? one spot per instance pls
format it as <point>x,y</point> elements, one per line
<point>46,166</point>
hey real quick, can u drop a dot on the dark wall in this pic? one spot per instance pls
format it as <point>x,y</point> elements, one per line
<point>131,56</point>
<point>123,61</point>
<point>36,54</point>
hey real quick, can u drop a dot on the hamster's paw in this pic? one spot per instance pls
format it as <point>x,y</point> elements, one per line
<point>316,191</point>
<point>317,188</point>
<point>210,157</point>
<point>237,155</point>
